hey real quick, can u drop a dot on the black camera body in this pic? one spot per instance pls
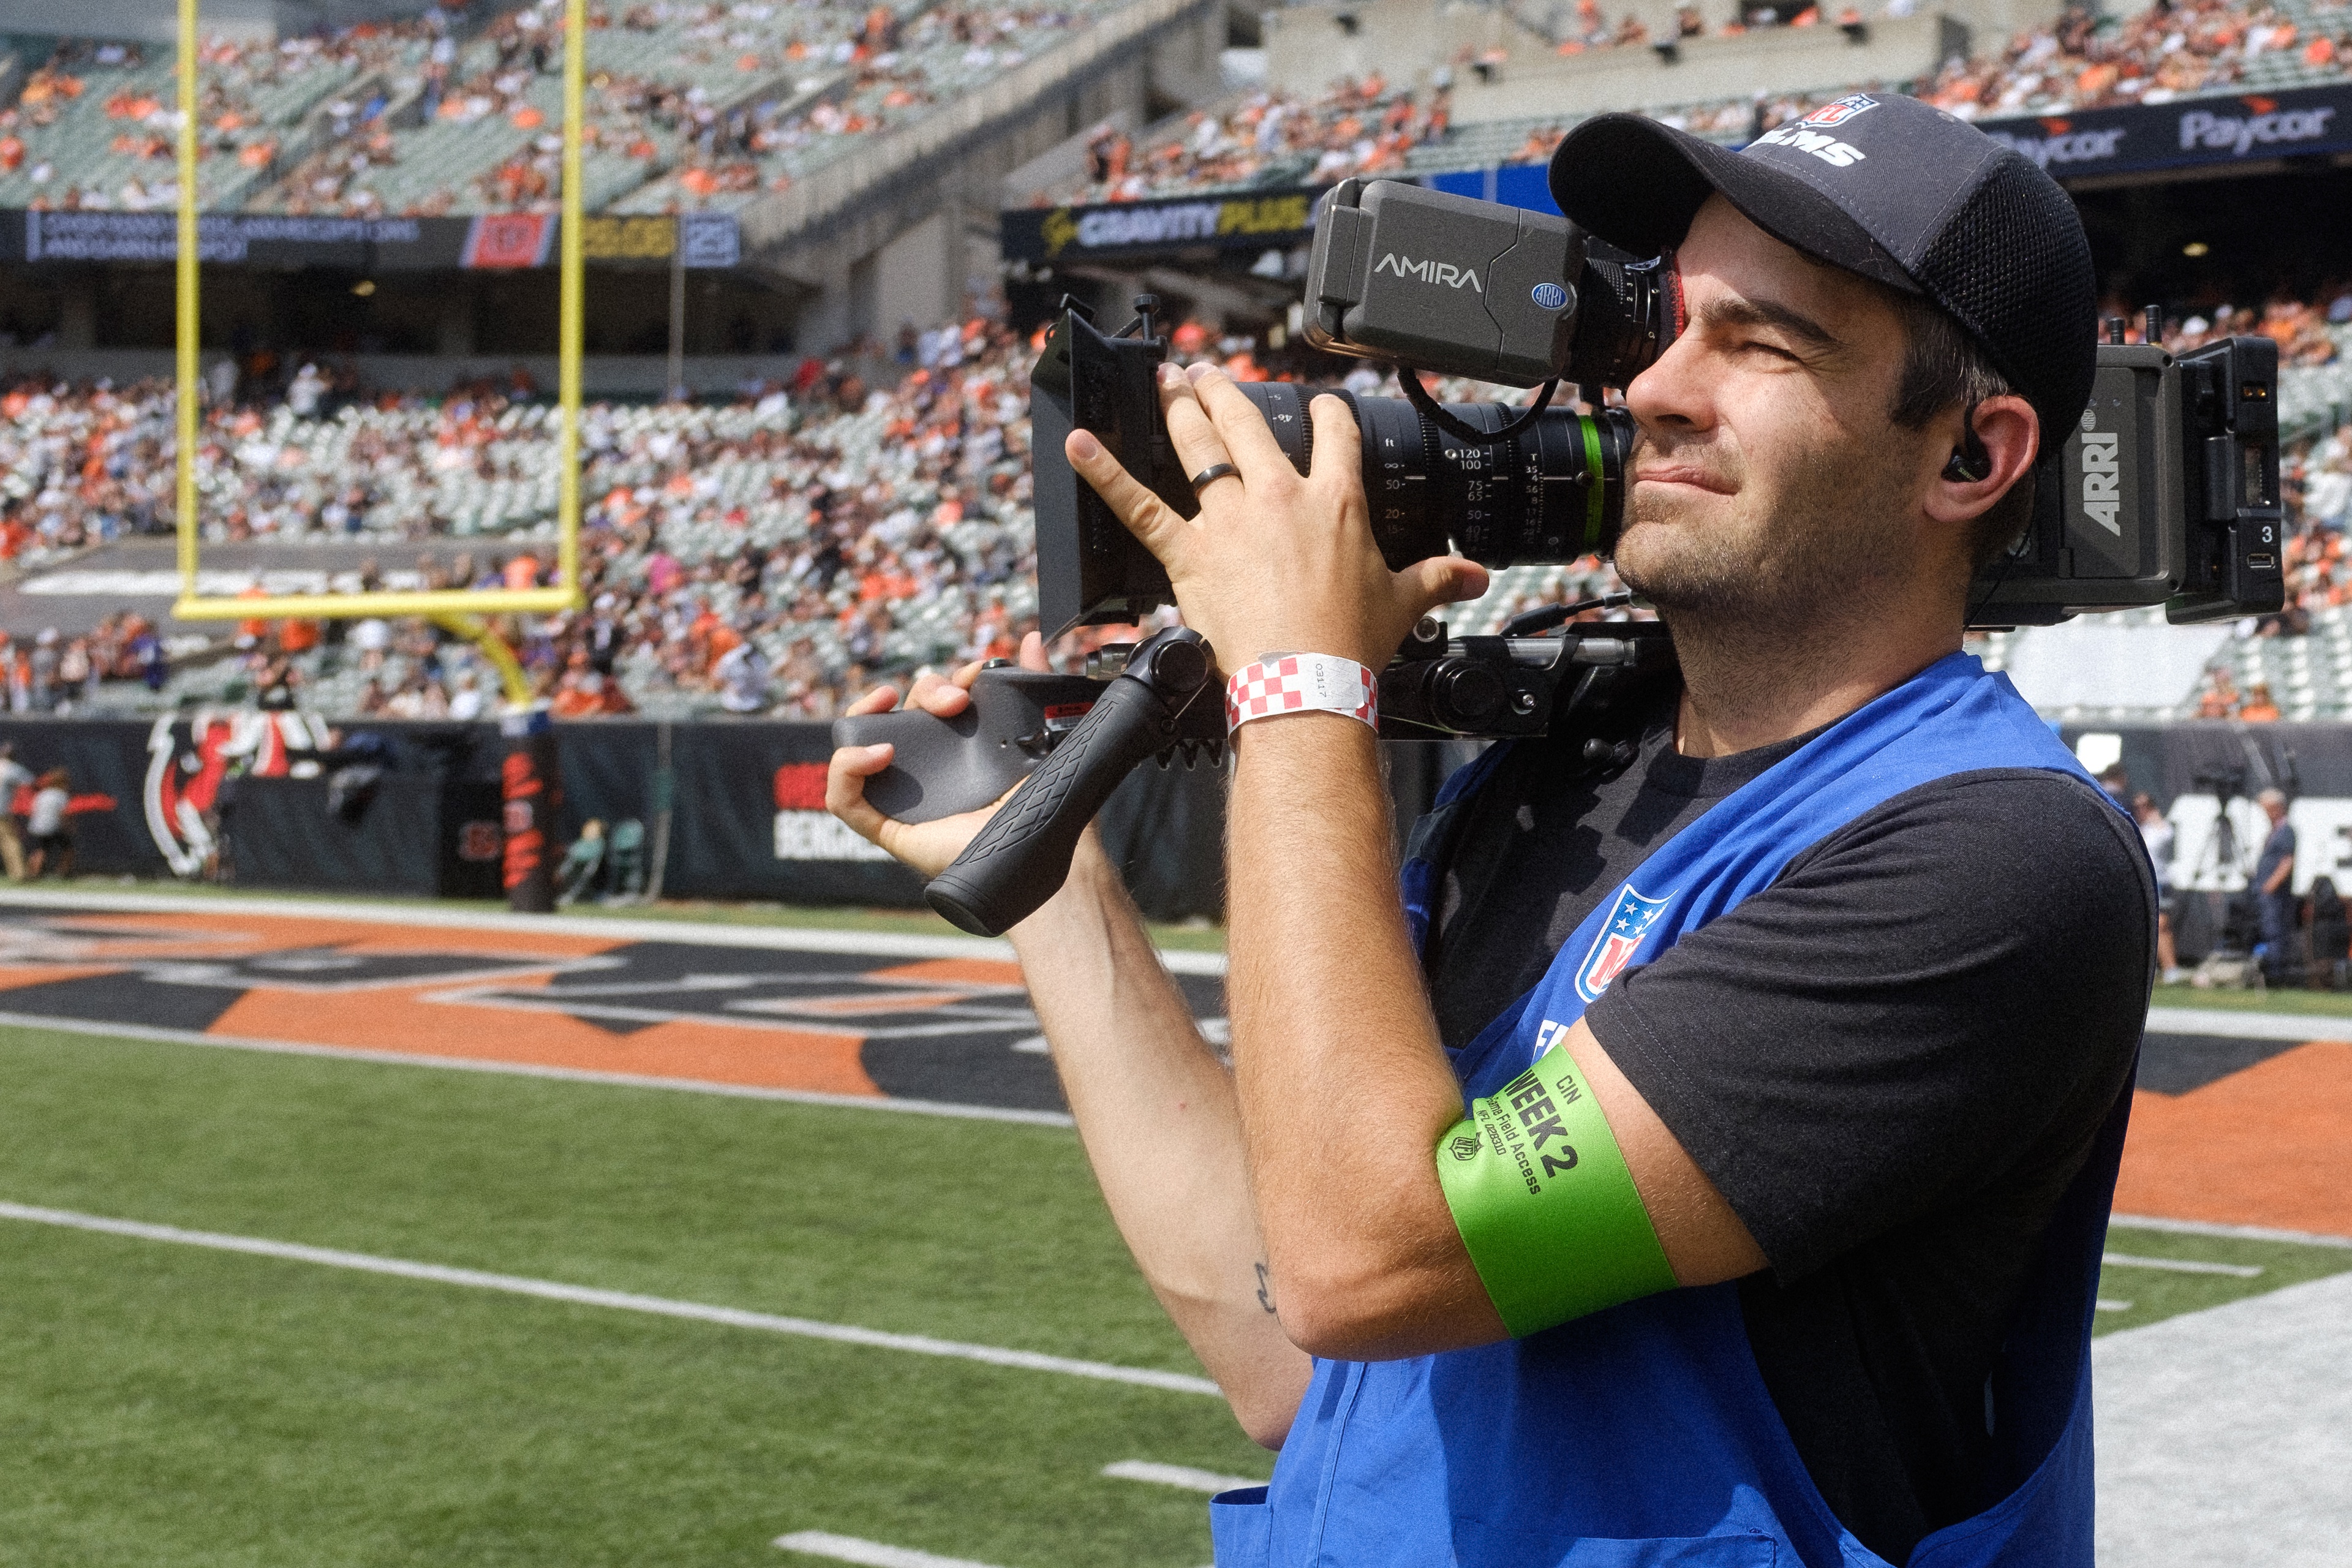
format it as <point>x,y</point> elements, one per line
<point>2166,492</point>
<point>1456,287</point>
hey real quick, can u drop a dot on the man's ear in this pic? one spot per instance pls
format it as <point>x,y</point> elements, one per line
<point>1971,476</point>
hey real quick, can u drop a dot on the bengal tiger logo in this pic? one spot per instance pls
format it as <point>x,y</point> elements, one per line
<point>189,759</point>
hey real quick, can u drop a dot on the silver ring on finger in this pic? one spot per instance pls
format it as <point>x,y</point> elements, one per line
<point>1211,474</point>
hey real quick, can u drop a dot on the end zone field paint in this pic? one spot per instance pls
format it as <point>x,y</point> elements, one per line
<point>918,1021</point>
<point>2252,1128</point>
<point>2239,1121</point>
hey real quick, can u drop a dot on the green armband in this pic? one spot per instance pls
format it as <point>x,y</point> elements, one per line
<point>1545,1204</point>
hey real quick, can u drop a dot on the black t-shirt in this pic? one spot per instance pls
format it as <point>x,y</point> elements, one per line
<point>1891,1063</point>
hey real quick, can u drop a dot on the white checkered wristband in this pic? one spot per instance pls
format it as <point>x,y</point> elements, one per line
<point>1302,683</point>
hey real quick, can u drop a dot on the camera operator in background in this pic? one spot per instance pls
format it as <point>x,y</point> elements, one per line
<point>2274,886</point>
<point>1707,1160</point>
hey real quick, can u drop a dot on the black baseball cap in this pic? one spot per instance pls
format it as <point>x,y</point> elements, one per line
<point>1885,186</point>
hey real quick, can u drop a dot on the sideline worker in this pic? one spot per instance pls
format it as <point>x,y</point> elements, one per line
<point>2274,886</point>
<point>1706,1162</point>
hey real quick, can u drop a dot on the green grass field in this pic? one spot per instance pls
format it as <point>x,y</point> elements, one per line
<point>169,1405</point>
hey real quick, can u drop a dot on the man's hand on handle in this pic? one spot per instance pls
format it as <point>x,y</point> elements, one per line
<point>927,846</point>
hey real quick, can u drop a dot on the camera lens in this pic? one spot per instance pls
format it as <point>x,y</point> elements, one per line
<point>1553,492</point>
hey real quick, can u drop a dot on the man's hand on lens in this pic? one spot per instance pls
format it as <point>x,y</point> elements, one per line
<point>928,847</point>
<point>1274,561</point>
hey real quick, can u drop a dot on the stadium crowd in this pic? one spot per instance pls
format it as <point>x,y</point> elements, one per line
<point>772,554</point>
<point>2087,61</point>
<point>1355,127</point>
<point>691,103</point>
<point>93,96</point>
<point>2082,59</point>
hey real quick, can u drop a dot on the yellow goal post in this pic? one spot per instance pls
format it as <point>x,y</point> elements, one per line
<point>458,609</point>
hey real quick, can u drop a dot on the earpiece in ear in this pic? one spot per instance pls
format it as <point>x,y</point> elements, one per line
<point>1971,462</point>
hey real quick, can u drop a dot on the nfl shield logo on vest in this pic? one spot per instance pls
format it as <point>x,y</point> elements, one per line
<point>1629,922</point>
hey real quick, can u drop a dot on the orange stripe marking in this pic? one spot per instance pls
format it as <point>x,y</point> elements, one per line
<point>397,1019</point>
<point>2271,1146</point>
<point>955,971</point>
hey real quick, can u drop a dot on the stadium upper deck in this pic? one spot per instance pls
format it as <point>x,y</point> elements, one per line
<point>705,104</point>
<point>1380,123</point>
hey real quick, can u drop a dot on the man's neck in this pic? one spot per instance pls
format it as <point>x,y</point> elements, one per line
<point>1749,685</point>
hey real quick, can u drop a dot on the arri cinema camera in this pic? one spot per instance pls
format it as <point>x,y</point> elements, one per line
<point>2166,493</point>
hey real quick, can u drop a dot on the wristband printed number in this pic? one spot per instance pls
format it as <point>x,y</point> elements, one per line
<point>1545,1204</point>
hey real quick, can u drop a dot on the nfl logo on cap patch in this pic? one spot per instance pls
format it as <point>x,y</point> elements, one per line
<point>1843,109</point>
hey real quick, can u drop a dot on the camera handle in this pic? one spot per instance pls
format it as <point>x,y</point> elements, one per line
<point>948,766</point>
<point>1418,395</point>
<point>1021,857</point>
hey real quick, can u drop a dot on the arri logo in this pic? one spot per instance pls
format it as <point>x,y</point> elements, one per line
<point>2102,474</point>
<point>1549,296</point>
<point>1444,273</point>
<point>1837,154</point>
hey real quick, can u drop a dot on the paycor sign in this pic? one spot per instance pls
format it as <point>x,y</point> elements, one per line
<point>2173,136</point>
<point>2240,134</point>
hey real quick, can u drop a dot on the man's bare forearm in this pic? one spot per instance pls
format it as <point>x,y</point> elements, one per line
<point>1344,1086</point>
<point>1157,1112</point>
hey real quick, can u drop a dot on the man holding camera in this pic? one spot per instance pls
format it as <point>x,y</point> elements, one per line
<point>1794,1039</point>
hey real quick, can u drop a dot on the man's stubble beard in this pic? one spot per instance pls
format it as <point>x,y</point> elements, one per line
<point>1790,560</point>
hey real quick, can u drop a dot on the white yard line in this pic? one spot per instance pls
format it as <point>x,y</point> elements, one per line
<point>1185,1476</point>
<point>870,1553</point>
<point>789,939</point>
<point>2183,1265</point>
<point>2105,1305</point>
<point>2247,1025</point>
<point>105,1029</point>
<point>621,1301</point>
<point>2237,1232</point>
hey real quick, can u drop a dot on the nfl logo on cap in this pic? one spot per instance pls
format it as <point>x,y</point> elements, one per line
<point>1843,109</point>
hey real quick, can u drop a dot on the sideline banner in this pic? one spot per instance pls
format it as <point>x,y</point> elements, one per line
<point>2186,131</point>
<point>2142,138</point>
<point>1231,220</point>
<point>257,798</point>
<point>368,244</point>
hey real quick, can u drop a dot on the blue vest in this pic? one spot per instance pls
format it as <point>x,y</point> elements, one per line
<point>1643,1437</point>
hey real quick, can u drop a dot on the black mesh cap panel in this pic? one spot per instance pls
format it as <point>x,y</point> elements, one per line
<point>2013,267</point>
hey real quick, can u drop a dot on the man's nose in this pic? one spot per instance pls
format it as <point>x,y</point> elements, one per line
<point>1672,391</point>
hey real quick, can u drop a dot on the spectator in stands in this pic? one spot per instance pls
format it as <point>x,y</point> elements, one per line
<point>2220,698</point>
<point>2258,707</point>
<point>42,668</point>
